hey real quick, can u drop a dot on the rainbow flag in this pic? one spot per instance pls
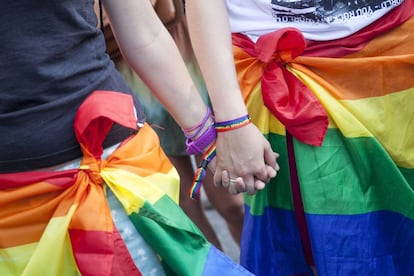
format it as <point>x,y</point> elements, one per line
<point>357,186</point>
<point>59,222</point>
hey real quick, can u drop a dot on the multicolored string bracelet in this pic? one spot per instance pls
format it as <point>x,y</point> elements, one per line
<point>233,124</point>
<point>203,135</point>
<point>197,128</point>
<point>201,171</point>
<point>197,146</point>
<point>199,137</point>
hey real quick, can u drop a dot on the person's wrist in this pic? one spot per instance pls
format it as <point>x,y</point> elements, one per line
<point>200,143</point>
<point>228,125</point>
<point>200,136</point>
<point>197,129</point>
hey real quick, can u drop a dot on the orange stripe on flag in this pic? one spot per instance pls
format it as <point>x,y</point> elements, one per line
<point>384,66</point>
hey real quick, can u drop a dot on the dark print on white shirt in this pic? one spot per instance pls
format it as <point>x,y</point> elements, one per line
<point>327,11</point>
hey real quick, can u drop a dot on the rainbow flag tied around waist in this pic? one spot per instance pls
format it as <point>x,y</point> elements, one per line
<point>59,222</point>
<point>356,174</point>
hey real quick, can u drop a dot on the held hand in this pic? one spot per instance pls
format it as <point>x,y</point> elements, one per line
<point>245,162</point>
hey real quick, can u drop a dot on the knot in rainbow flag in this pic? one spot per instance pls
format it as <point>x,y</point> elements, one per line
<point>93,167</point>
<point>60,222</point>
<point>287,97</point>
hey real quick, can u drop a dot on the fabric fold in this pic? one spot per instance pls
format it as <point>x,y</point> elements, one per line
<point>289,99</point>
<point>60,223</point>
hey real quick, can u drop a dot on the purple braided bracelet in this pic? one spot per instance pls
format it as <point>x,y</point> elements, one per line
<point>199,127</point>
<point>197,146</point>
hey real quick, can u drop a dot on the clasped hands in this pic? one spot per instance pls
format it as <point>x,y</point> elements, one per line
<point>244,162</point>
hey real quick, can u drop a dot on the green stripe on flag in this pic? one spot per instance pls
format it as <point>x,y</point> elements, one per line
<point>173,236</point>
<point>344,176</point>
<point>277,193</point>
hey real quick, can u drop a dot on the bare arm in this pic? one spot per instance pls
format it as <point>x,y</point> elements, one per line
<point>152,54</point>
<point>210,37</point>
<point>248,155</point>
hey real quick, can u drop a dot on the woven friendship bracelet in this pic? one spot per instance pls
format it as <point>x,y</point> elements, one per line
<point>201,171</point>
<point>197,146</point>
<point>197,127</point>
<point>233,124</point>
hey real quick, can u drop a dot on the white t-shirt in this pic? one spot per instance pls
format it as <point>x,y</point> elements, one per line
<point>317,19</point>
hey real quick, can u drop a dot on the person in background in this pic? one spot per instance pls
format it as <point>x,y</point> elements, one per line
<point>172,139</point>
<point>82,176</point>
<point>329,84</point>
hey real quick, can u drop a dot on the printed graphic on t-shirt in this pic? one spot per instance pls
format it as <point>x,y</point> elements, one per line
<point>327,11</point>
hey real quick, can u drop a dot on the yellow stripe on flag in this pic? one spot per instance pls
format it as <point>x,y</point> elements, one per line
<point>261,117</point>
<point>13,260</point>
<point>372,117</point>
<point>133,190</point>
<point>393,128</point>
<point>29,259</point>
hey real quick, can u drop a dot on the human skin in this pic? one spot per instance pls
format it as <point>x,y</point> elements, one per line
<point>249,158</point>
<point>242,154</point>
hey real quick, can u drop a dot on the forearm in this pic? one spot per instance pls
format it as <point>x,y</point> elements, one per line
<point>160,67</point>
<point>151,52</point>
<point>211,39</point>
<point>245,161</point>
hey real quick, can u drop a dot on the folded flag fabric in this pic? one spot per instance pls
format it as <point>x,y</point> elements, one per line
<point>357,188</point>
<point>286,97</point>
<point>59,222</point>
